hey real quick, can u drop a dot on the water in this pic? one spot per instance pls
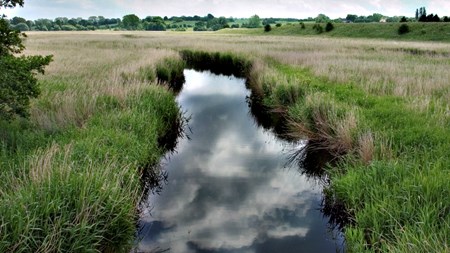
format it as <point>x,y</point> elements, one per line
<point>228,188</point>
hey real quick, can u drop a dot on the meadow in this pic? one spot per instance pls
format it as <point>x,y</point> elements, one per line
<point>71,173</point>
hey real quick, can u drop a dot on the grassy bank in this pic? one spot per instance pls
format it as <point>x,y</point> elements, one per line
<point>393,171</point>
<point>419,31</point>
<point>71,175</point>
<point>376,138</point>
<point>381,106</point>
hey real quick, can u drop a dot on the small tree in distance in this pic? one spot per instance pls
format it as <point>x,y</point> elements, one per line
<point>267,28</point>
<point>329,27</point>
<point>403,29</point>
<point>254,22</point>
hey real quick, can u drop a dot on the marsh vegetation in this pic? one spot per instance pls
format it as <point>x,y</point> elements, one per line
<point>379,108</point>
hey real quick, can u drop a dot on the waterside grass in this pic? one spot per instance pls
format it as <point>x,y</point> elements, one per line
<point>375,138</point>
<point>71,175</point>
<point>380,106</point>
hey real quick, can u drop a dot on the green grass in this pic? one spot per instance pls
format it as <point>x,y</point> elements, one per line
<point>400,200</point>
<point>418,31</point>
<point>77,190</point>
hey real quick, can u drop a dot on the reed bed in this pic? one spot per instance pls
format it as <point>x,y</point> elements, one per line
<point>383,106</point>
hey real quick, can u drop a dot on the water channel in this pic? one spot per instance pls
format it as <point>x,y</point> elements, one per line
<point>228,187</point>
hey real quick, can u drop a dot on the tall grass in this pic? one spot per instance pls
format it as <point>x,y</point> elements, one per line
<point>382,105</point>
<point>71,175</point>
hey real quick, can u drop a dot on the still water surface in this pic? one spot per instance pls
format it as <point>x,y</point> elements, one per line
<point>228,188</point>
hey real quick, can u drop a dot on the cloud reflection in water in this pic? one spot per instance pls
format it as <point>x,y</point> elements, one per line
<point>228,190</point>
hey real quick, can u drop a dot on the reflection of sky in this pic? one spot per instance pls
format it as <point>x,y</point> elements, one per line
<point>228,190</point>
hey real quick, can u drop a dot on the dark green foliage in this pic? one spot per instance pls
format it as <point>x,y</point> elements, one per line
<point>302,25</point>
<point>154,26</point>
<point>267,28</point>
<point>131,22</point>
<point>351,17</point>
<point>278,25</point>
<point>10,41</point>
<point>217,63</point>
<point>170,70</point>
<point>318,28</point>
<point>18,83</point>
<point>329,27</point>
<point>403,20</point>
<point>403,29</point>
<point>11,3</point>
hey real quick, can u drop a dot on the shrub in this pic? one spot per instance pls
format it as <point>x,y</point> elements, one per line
<point>267,28</point>
<point>329,27</point>
<point>302,25</point>
<point>318,28</point>
<point>403,29</point>
<point>278,25</point>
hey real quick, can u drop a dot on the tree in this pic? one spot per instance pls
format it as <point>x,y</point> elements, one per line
<point>351,17</point>
<point>267,28</point>
<point>417,14</point>
<point>23,27</point>
<point>254,22</point>
<point>376,17</point>
<point>131,22</point>
<point>17,20</point>
<point>322,18</point>
<point>18,83</point>
<point>403,20</point>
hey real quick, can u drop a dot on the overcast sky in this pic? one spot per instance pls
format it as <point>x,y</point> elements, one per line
<point>35,9</point>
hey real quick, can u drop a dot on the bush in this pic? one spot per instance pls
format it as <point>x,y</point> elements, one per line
<point>403,29</point>
<point>318,28</point>
<point>302,25</point>
<point>329,27</point>
<point>267,28</point>
<point>278,25</point>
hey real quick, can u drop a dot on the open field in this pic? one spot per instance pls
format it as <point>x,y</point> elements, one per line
<point>382,106</point>
<point>419,31</point>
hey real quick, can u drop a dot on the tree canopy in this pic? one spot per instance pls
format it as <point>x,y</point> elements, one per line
<point>131,21</point>
<point>17,73</point>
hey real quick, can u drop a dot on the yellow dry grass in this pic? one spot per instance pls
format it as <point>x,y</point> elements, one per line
<point>89,64</point>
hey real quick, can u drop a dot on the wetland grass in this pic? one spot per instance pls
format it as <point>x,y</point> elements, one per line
<point>383,110</point>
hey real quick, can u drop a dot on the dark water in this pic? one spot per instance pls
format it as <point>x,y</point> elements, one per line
<point>228,188</point>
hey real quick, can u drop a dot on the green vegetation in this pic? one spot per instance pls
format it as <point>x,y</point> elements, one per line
<point>71,173</point>
<point>418,31</point>
<point>17,74</point>
<point>380,107</point>
<point>404,154</point>
<point>404,28</point>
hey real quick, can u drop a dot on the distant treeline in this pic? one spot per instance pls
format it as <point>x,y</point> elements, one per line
<point>197,23</point>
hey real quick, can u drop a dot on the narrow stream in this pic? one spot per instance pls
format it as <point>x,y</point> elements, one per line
<point>228,187</point>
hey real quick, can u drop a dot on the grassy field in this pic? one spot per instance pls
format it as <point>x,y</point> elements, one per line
<point>71,174</point>
<point>418,31</point>
<point>381,106</point>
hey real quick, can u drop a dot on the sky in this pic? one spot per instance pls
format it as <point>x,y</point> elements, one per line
<point>35,9</point>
